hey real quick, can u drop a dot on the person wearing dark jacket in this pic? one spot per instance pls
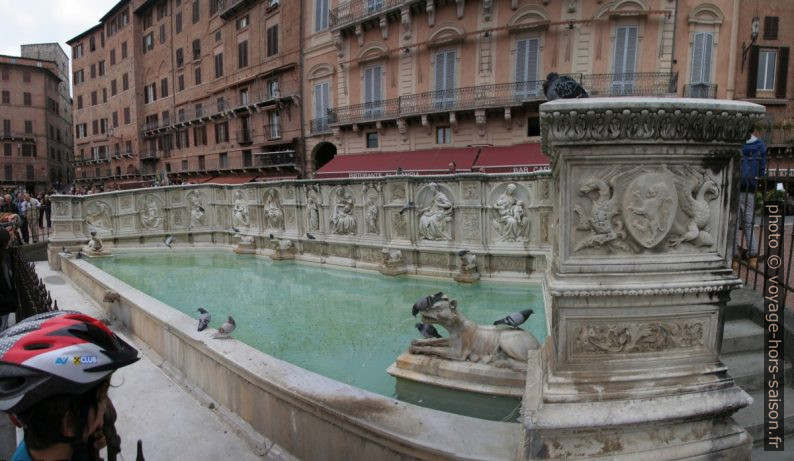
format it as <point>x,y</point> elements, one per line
<point>9,301</point>
<point>753,165</point>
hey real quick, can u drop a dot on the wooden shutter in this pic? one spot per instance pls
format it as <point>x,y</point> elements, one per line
<point>449,78</point>
<point>368,85</point>
<point>782,73</point>
<point>522,46</point>
<point>325,90</point>
<point>631,49</point>
<point>533,50</point>
<point>440,63</point>
<point>708,45</point>
<point>697,58</point>
<point>752,72</point>
<point>377,94</point>
<point>620,51</point>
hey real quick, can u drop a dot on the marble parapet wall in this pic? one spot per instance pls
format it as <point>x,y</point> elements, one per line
<point>505,220</point>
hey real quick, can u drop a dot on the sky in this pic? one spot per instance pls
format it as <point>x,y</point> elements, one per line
<point>47,21</point>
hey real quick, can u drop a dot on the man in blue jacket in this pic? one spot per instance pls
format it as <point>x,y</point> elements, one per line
<point>753,165</point>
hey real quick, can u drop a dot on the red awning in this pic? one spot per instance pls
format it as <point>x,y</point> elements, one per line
<point>133,184</point>
<point>428,161</point>
<point>236,179</point>
<point>520,158</point>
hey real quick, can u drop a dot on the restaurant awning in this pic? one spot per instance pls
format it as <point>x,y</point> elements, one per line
<point>428,161</point>
<point>520,158</point>
<point>233,179</point>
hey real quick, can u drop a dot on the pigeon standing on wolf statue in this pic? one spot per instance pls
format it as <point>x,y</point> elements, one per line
<point>562,87</point>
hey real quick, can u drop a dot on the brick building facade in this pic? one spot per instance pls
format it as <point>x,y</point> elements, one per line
<point>35,110</point>
<point>204,89</point>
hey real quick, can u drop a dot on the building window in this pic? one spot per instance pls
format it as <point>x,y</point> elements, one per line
<point>104,95</point>
<point>7,150</point>
<point>202,163</point>
<point>320,15</point>
<point>93,98</point>
<point>244,97</point>
<point>178,22</point>
<point>199,111</point>
<point>28,126</point>
<point>101,68</point>
<point>272,88</point>
<point>200,135</point>
<point>150,93</point>
<point>221,132</point>
<point>9,171</point>
<point>765,79</point>
<point>533,126</point>
<point>272,40</point>
<point>701,57</point>
<point>180,81</point>
<point>197,75</point>
<point>115,118</point>
<point>80,101</point>
<point>126,115</point>
<point>770,27</point>
<point>219,65</point>
<point>77,51</point>
<point>113,57</point>
<point>274,124</point>
<point>6,97</point>
<point>27,99</point>
<point>125,82</point>
<point>162,34</point>
<point>184,165</point>
<point>248,159</point>
<point>148,42</point>
<point>322,98</point>
<point>93,70</point>
<point>218,36</point>
<point>242,54</point>
<point>180,58</point>
<point>26,76</point>
<point>372,91</point>
<point>527,62</point>
<point>223,160</point>
<point>443,135</point>
<point>625,57</point>
<point>196,49</point>
<point>113,87</point>
<point>372,140</point>
<point>123,50</point>
<point>243,22</point>
<point>91,44</point>
<point>164,88</point>
<point>196,13</point>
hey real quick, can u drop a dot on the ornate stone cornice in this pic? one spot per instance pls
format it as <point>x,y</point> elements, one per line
<point>646,120</point>
<point>587,292</point>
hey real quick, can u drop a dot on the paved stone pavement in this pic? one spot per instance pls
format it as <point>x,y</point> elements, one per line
<point>174,423</point>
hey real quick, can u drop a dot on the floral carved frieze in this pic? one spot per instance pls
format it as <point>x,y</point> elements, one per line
<point>634,209</point>
<point>150,212</point>
<point>646,124</point>
<point>638,337</point>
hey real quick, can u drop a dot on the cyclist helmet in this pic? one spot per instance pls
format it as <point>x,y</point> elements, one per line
<point>54,353</point>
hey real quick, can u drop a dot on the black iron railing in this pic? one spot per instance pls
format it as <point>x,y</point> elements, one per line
<point>356,10</point>
<point>274,159</point>
<point>631,84</point>
<point>320,125</point>
<point>245,137</point>
<point>466,98</point>
<point>700,90</point>
<point>148,155</point>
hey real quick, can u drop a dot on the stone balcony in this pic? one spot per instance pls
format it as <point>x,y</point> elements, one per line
<point>353,13</point>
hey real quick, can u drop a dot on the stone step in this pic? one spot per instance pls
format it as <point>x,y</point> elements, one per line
<point>747,369</point>
<point>751,418</point>
<point>758,453</point>
<point>742,335</point>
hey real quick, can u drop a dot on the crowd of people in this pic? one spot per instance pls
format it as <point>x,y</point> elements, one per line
<point>28,218</point>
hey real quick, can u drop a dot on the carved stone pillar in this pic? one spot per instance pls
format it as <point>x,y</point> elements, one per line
<point>638,277</point>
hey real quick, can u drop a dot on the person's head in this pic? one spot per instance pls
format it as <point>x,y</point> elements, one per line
<point>55,371</point>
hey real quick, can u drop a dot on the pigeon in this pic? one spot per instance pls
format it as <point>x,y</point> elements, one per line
<point>463,253</point>
<point>226,329</point>
<point>563,87</point>
<point>427,330</point>
<point>79,256</point>
<point>204,319</point>
<point>201,209</point>
<point>272,236</point>
<point>66,251</point>
<point>139,452</point>
<point>407,207</point>
<point>169,240</point>
<point>310,236</point>
<point>515,319</point>
<point>236,230</point>
<point>424,303</point>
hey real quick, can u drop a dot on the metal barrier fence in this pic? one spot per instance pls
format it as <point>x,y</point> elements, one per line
<point>34,298</point>
<point>778,184</point>
<point>31,227</point>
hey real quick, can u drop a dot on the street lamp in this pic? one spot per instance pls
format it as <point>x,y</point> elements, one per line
<point>753,37</point>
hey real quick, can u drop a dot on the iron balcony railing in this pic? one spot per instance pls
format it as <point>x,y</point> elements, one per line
<point>245,137</point>
<point>358,10</point>
<point>277,159</point>
<point>148,155</point>
<point>320,125</point>
<point>700,90</point>
<point>631,84</point>
<point>14,136</point>
<point>214,107</point>
<point>273,130</point>
<point>466,98</point>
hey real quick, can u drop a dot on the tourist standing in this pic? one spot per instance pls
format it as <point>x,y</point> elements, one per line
<point>9,301</point>
<point>753,166</point>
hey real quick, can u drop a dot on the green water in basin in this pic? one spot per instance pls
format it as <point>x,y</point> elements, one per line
<point>344,324</point>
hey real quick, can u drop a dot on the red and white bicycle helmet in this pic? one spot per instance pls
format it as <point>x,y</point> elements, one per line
<point>59,352</point>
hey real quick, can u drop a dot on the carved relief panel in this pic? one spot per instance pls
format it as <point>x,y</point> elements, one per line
<point>343,222</point>
<point>436,212</point>
<point>509,213</point>
<point>240,216</point>
<point>99,216</point>
<point>150,212</point>
<point>399,225</point>
<point>624,210</point>
<point>313,204</point>
<point>371,194</point>
<point>273,214</point>
<point>198,214</point>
